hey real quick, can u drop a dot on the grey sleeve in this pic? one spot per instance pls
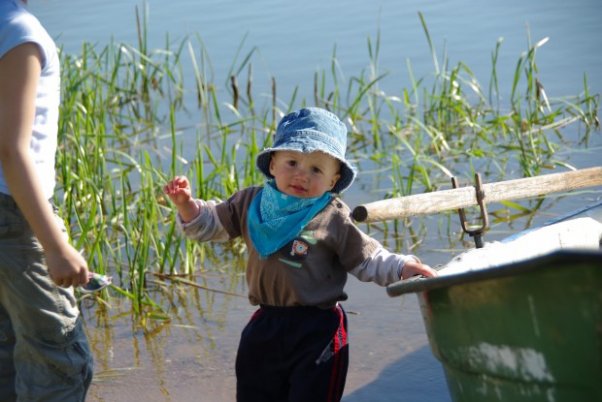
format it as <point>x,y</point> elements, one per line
<point>206,226</point>
<point>382,268</point>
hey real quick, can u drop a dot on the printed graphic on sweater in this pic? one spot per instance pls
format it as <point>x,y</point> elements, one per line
<point>296,251</point>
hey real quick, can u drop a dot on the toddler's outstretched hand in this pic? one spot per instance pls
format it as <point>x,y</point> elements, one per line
<point>179,192</point>
<point>413,268</point>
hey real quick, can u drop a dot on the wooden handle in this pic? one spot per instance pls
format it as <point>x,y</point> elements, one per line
<point>456,198</point>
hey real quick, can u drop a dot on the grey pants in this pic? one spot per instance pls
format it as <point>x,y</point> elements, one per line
<point>44,352</point>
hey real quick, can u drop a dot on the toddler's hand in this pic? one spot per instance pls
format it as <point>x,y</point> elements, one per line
<point>178,190</point>
<point>413,268</point>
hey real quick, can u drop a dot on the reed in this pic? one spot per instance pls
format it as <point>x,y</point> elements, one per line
<point>126,127</point>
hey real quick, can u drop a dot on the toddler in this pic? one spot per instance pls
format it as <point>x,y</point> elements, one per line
<point>302,243</point>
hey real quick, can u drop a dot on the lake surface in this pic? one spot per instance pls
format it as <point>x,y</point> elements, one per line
<point>192,358</point>
<point>297,38</point>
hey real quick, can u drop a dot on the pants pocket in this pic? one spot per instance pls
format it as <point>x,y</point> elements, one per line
<point>55,372</point>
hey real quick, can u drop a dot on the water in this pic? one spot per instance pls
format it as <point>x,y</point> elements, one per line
<point>297,38</point>
<point>192,357</point>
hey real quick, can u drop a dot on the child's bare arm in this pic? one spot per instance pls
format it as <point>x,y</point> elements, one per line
<point>179,192</point>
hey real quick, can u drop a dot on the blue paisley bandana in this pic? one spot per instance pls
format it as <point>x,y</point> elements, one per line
<point>276,218</point>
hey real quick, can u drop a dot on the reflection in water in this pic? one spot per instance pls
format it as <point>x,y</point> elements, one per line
<point>165,361</point>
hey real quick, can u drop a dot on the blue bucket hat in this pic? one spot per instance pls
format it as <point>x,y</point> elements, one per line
<point>308,130</point>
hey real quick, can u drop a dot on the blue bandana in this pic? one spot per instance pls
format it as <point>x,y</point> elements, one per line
<point>276,219</point>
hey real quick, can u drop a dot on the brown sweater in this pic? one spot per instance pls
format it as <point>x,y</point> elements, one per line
<point>309,271</point>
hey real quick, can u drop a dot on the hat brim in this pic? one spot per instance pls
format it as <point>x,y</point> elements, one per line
<point>347,172</point>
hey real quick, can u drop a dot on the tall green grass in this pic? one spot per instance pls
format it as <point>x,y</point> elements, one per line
<point>126,128</point>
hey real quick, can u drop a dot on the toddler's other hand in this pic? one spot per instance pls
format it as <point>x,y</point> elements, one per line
<point>413,268</point>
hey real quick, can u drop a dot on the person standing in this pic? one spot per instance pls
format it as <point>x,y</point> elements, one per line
<point>44,352</point>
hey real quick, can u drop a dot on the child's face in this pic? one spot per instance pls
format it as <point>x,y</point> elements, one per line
<point>304,175</point>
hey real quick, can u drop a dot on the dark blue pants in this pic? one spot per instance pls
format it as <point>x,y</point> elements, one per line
<point>294,354</point>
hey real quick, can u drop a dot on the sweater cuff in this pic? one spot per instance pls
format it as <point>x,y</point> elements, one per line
<point>182,224</point>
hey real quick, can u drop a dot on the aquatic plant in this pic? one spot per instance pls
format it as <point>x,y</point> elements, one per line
<point>129,120</point>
